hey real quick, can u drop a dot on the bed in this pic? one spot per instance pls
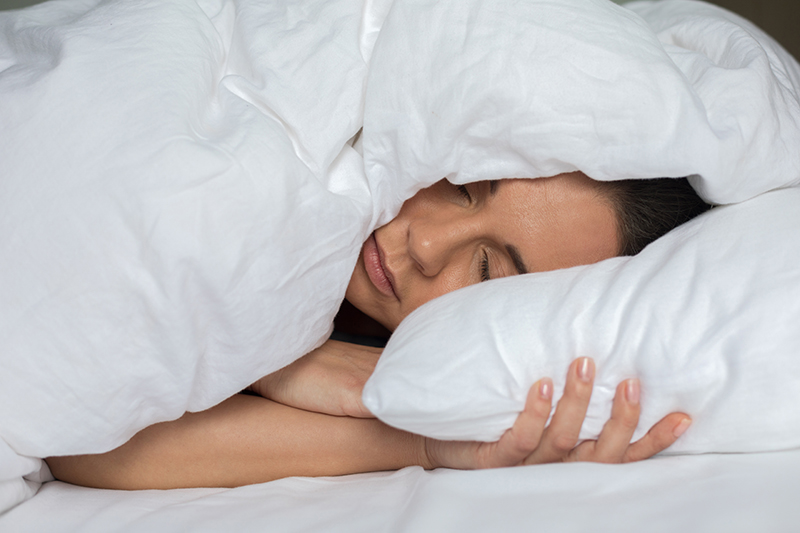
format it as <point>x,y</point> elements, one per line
<point>748,492</point>
<point>181,180</point>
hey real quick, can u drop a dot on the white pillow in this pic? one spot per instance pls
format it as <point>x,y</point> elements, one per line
<point>504,88</point>
<point>706,317</point>
<point>529,89</point>
<point>179,213</point>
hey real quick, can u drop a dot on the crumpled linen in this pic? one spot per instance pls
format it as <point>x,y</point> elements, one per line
<point>180,209</point>
<point>502,89</point>
<point>705,317</point>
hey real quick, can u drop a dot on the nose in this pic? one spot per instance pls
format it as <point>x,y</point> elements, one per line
<point>435,241</point>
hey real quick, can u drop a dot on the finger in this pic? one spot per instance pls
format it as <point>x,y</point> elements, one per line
<point>659,438</point>
<point>526,433</point>
<point>614,440</point>
<point>564,429</point>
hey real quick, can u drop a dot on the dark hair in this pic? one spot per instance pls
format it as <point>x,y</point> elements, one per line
<point>649,208</point>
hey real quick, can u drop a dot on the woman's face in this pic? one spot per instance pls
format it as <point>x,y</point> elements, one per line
<point>447,237</point>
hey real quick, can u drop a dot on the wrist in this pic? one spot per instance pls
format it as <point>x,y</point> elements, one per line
<point>427,452</point>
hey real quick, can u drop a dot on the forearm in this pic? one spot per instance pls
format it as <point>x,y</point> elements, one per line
<point>244,440</point>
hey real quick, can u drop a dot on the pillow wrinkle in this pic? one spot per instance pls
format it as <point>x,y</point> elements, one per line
<point>704,317</point>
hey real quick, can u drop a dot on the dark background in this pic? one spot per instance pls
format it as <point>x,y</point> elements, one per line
<point>779,18</point>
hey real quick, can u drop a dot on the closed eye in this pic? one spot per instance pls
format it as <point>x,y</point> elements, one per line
<point>485,267</point>
<point>464,192</point>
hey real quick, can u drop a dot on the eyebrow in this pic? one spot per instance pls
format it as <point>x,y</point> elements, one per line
<point>517,259</point>
<point>493,187</point>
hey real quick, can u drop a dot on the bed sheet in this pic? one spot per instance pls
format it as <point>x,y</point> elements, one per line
<point>715,492</point>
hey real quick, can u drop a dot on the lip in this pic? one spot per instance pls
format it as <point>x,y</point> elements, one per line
<point>377,272</point>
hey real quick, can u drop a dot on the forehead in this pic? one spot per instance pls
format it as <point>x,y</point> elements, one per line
<point>557,222</point>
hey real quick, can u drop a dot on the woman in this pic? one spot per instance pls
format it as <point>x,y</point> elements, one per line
<point>310,420</point>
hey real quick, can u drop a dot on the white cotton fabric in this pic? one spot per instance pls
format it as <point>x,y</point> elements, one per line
<point>500,88</point>
<point>706,317</point>
<point>179,208</point>
<point>19,477</point>
<point>734,493</point>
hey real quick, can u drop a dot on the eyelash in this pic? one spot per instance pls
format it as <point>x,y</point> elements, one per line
<point>485,276</point>
<point>485,267</point>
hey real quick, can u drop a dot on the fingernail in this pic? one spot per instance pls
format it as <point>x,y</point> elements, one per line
<point>546,389</point>
<point>632,391</point>
<point>681,428</point>
<point>585,369</point>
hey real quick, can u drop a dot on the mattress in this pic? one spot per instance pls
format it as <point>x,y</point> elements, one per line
<point>715,492</point>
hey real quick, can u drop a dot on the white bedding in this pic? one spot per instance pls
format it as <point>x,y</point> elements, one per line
<point>175,213</point>
<point>180,212</point>
<point>706,316</point>
<point>739,493</point>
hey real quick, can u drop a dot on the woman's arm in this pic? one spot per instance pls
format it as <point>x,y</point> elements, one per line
<point>327,380</point>
<point>244,440</point>
<point>249,439</point>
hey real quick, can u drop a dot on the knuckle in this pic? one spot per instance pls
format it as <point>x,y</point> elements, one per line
<point>527,443</point>
<point>542,409</point>
<point>519,452</point>
<point>563,442</point>
<point>628,423</point>
<point>579,390</point>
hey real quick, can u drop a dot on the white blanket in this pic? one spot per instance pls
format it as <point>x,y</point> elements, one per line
<point>179,218</point>
<point>180,209</point>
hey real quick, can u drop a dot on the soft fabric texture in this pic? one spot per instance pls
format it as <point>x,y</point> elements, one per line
<point>180,210</point>
<point>500,88</point>
<point>706,317</point>
<point>741,493</point>
<point>20,477</point>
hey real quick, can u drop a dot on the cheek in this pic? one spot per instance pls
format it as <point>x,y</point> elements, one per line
<point>455,278</point>
<point>358,290</point>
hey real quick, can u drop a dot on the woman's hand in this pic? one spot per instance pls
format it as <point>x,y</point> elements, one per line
<point>327,380</point>
<point>531,441</point>
<point>246,439</point>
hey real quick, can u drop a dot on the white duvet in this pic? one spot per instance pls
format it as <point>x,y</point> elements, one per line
<point>180,207</point>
